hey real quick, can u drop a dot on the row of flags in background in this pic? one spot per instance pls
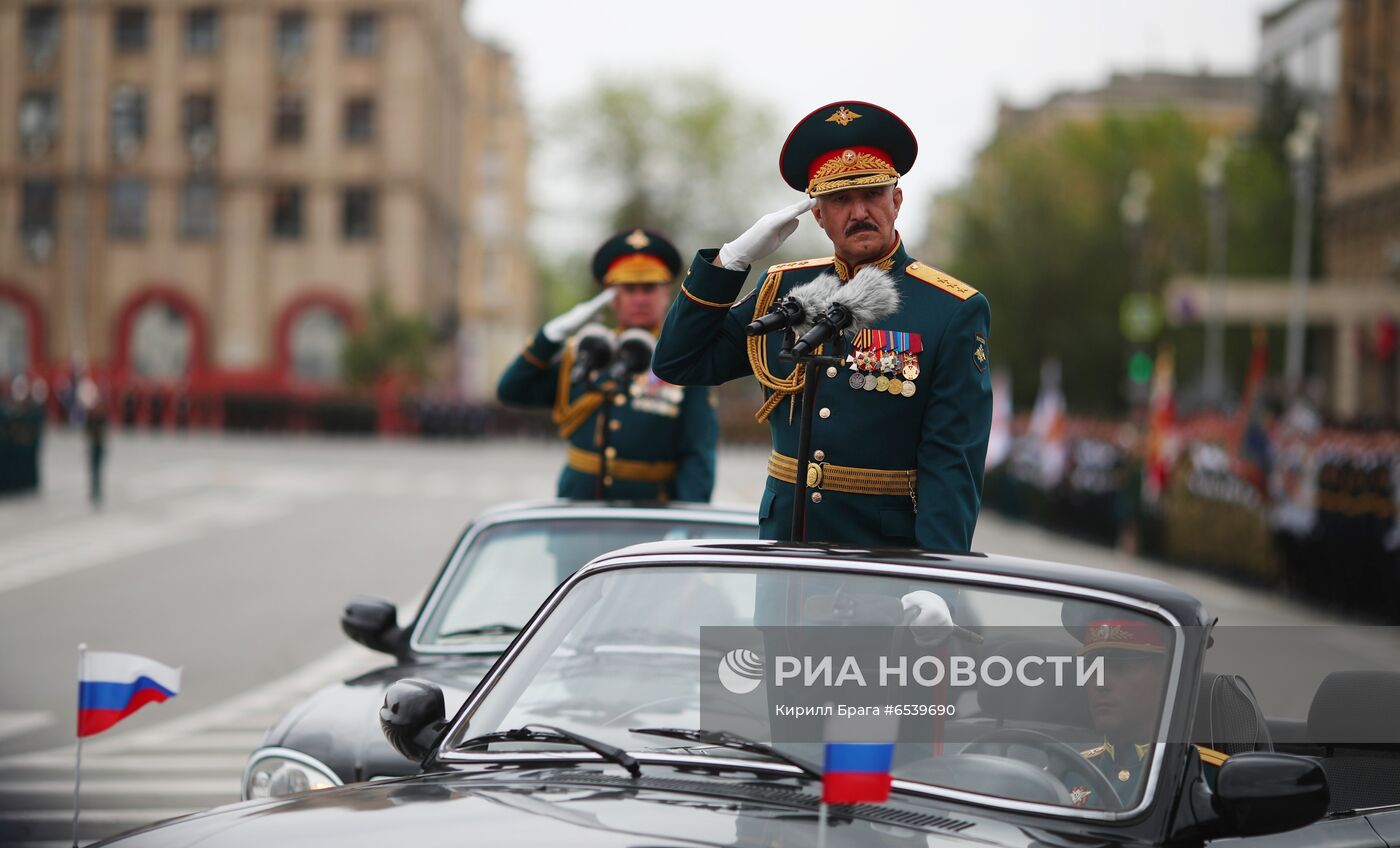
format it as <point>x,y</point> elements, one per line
<point>1251,447</point>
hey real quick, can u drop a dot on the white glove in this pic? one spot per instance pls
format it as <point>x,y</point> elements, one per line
<point>927,615</point>
<point>558,329</point>
<point>764,237</point>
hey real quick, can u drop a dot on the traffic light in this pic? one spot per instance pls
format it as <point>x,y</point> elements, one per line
<point>1140,368</point>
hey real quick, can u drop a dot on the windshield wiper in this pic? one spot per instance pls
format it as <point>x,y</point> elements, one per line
<point>725,739</point>
<point>483,630</point>
<point>548,733</point>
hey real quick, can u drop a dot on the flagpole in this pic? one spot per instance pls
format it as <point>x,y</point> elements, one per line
<point>821,825</point>
<point>78,757</point>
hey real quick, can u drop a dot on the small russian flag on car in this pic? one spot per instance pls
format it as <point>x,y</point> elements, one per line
<point>857,772</point>
<point>112,686</point>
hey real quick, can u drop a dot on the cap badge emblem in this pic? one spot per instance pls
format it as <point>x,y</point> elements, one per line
<point>848,156</point>
<point>637,240</point>
<point>842,116</point>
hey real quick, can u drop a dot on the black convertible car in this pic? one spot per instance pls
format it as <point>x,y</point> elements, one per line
<point>601,724</point>
<point>504,564</point>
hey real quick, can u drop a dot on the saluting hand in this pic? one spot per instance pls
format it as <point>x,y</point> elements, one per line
<point>572,321</point>
<point>764,237</point>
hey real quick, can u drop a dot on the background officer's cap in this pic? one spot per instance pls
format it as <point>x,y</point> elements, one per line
<point>847,144</point>
<point>1113,631</point>
<point>636,257</point>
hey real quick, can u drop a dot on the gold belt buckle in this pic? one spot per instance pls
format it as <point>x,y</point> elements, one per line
<point>814,475</point>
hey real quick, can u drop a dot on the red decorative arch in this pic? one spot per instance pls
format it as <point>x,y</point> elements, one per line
<point>316,299</point>
<point>34,314</point>
<point>178,301</point>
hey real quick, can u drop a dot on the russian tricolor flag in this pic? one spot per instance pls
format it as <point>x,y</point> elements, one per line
<point>112,686</point>
<point>857,772</point>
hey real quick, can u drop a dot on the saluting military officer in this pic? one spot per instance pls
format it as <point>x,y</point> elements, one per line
<point>900,434</point>
<point>660,439</point>
<point>1126,708</point>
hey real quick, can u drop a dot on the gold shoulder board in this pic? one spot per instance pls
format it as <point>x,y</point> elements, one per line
<point>1211,756</point>
<point>802,263</point>
<point>934,277</point>
<point>1092,752</point>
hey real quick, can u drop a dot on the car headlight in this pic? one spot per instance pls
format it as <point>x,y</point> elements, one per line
<point>275,772</point>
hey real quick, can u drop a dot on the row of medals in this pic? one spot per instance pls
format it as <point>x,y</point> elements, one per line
<point>883,371</point>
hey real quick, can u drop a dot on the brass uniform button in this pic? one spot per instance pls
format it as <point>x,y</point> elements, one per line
<point>1124,775</point>
<point>611,452</point>
<point>619,399</point>
<point>607,481</point>
<point>819,456</point>
<point>824,412</point>
<point>614,424</point>
<point>816,497</point>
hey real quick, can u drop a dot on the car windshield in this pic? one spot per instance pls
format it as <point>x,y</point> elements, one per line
<point>504,572</point>
<point>741,650</point>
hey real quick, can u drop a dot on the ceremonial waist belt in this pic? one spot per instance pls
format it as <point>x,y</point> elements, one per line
<point>844,478</point>
<point>636,470</point>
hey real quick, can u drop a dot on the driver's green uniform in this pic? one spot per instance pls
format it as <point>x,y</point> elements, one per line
<point>1124,769</point>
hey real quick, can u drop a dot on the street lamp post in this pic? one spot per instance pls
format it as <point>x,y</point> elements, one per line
<point>1212,174</point>
<point>1133,208</point>
<point>1302,153</point>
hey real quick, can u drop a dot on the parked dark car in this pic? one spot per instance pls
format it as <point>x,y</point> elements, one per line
<point>503,566</point>
<point>591,729</point>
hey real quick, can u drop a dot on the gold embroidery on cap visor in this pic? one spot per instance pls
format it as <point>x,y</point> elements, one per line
<point>845,171</point>
<point>637,269</point>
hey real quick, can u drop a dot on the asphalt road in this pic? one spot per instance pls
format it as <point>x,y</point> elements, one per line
<point>233,556</point>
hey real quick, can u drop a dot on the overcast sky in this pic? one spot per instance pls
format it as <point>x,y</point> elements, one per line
<point>942,66</point>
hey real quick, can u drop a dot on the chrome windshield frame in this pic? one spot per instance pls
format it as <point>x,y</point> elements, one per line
<point>455,735</point>
<point>416,640</point>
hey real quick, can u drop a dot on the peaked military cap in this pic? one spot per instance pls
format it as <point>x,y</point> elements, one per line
<point>636,257</point>
<point>844,145</point>
<point>1113,631</point>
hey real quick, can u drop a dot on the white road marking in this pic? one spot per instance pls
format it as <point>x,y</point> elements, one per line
<point>18,723</point>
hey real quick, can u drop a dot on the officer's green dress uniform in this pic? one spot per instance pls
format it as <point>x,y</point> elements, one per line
<point>661,437</point>
<point>898,463</point>
<point>1124,765</point>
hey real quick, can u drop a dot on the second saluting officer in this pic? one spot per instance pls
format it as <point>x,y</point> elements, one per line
<point>660,438</point>
<point>899,435</point>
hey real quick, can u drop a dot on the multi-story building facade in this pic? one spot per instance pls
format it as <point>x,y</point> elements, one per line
<point>207,193</point>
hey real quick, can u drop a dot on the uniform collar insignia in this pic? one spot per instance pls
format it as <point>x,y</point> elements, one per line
<point>884,263</point>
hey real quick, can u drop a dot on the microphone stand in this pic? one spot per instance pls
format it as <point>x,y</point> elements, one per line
<point>813,363</point>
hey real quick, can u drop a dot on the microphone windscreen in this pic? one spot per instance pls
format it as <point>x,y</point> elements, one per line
<point>871,295</point>
<point>815,296</point>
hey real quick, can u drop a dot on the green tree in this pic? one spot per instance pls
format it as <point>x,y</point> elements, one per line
<point>1038,229</point>
<point>680,154</point>
<point>387,341</point>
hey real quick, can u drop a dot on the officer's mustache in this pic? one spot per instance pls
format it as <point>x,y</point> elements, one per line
<point>861,227</point>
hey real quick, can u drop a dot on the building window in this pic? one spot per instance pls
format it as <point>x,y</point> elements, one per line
<point>287,213</point>
<point>200,125</point>
<point>41,32</point>
<point>128,124</point>
<point>131,29</point>
<point>199,209</point>
<point>358,214</point>
<point>362,33</point>
<point>201,31</point>
<point>359,120</point>
<point>38,217</point>
<point>318,337</point>
<point>126,209</point>
<point>291,34</point>
<point>161,342</point>
<point>38,121</point>
<point>289,125</point>
<point>14,338</point>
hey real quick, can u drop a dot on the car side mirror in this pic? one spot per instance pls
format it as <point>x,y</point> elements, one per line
<point>372,622</point>
<point>413,717</point>
<point>1261,792</point>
